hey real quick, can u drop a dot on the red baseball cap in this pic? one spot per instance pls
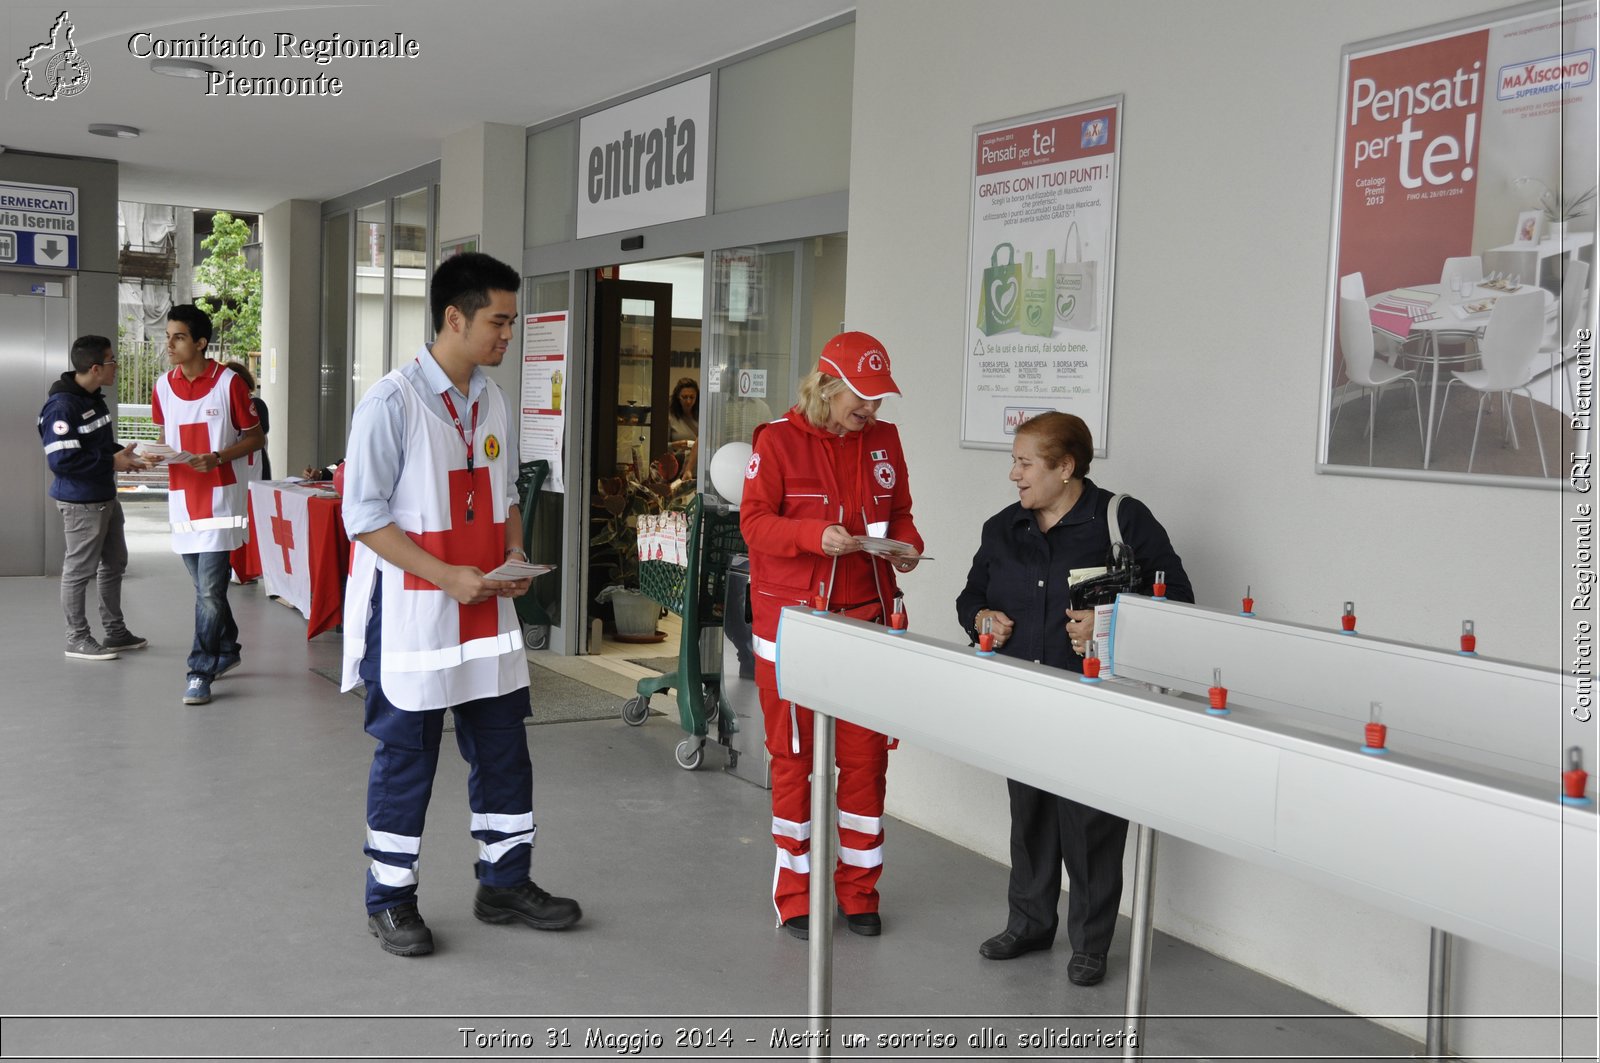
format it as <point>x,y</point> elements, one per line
<point>861,362</point>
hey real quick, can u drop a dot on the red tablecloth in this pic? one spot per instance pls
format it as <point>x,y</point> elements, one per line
<point>298,546</point>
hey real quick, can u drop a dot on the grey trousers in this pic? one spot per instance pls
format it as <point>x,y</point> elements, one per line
<point>96,549</point>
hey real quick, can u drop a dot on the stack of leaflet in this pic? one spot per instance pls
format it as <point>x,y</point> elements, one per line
<point>1394,314</point>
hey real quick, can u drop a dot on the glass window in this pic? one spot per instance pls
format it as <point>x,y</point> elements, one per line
<point>372,260</point>
<point>552,186</point>
<point>409,308</point>
<point>332,392</point>
<point>783,122</point>
<point>772,308</point>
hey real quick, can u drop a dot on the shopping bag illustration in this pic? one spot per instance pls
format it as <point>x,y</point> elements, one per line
<point>1001,293</point>
<point>1038,316</point>
<point>1075,285</point>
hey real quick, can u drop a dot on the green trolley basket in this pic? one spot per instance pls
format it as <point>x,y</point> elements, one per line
<point>695,592</point>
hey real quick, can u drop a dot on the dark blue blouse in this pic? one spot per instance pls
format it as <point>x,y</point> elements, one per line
<point>1022,572</point>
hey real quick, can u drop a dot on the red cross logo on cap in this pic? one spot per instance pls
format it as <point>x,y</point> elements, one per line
<point>875,361</point>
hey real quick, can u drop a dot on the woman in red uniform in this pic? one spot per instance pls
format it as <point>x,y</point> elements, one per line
<point>821,475</point>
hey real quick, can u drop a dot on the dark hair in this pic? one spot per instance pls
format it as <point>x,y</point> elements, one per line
<point>676,408</point>
<point>243,371</point>
<point>88,352</point>
<point>198,320</point>
<point>1061,435</point>
<point>464,281</point>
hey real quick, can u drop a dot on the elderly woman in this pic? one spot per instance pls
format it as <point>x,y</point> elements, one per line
<point>825,473</point>
<point>1056,533</point>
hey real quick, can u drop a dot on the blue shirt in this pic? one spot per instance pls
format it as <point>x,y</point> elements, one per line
<point>375,454</point>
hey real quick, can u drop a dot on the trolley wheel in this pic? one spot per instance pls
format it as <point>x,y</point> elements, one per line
<point>636,710</point>
<point>690,752</point>
<point>712,700</point>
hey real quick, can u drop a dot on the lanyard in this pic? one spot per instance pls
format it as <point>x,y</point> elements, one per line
<point>467,439</point>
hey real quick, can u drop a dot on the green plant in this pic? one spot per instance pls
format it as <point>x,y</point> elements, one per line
<point>1558,207</point>
<point>619,502</point>
<point>236,307</point>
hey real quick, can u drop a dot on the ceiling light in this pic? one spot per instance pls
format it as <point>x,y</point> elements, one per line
<point>107,129</point>
<point>181,68</point>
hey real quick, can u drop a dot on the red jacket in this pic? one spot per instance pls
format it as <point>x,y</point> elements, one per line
<point>800,481</point>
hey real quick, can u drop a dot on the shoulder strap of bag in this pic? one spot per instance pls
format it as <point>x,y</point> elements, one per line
<point>1112,509</point>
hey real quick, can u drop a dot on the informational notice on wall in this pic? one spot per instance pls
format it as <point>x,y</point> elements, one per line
<point>544,376</point>
<point>1039,271</point>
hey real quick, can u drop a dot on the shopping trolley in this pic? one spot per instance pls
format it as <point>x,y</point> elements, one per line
<point>693,590</point>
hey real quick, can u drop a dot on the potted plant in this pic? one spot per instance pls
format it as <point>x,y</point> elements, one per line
<point>619,502</point>
<point>1560,210</point>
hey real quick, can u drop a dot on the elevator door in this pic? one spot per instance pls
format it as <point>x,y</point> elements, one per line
<point>35,335</point>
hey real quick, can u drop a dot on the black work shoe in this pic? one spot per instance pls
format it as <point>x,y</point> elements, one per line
<point>1086,968</point>
<point>798,926</point>
<point>867,924</point>
<point>1009,945</point>
<point>525,903</point>
<point>400,930</point>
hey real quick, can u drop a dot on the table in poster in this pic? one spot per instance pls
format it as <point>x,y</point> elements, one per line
<point>298,533</point>
<point>1431,313</point>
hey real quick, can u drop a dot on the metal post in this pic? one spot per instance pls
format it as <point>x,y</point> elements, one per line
<point>1438,993</point>
<point>823,847</point>
<point>1144,894</point>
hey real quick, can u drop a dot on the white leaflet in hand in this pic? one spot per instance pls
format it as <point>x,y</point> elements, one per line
<point>890,548</point>
<point>515,570</point>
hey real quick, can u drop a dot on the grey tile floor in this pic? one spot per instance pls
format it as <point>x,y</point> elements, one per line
<point>186,882</point>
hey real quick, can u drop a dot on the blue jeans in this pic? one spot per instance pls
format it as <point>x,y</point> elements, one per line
<point>216,636</point>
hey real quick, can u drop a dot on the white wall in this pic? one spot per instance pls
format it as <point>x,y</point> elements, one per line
<point>1227,178</point>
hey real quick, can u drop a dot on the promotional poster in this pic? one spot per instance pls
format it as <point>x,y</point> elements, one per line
<point>1040,258</point>
<point>1464,250</point>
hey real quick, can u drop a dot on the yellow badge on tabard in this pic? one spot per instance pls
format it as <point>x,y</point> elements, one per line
<point>491,447</point>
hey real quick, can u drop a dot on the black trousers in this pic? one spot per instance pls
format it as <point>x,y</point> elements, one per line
<point>1046,832</point>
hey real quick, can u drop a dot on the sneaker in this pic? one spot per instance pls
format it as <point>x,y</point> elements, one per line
<point>125,641</point>
<point>87,649</point>
<point>225,665</point>
<point>198,692</point>
<point>401,931</point>
<point>525,903</point>
<point>798,926</point>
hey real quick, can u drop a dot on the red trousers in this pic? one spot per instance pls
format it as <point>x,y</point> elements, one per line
<point>862,757</point>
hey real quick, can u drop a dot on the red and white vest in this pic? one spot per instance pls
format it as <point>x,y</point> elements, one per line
<point>208,511</point>
<point>436,652</point>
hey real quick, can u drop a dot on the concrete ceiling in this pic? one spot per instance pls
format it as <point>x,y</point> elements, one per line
<point>519,62</point>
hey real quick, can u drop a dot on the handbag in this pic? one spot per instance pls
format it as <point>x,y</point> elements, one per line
<point>999,293</point>
<point>1075,285</point>
<point>1038,316</point>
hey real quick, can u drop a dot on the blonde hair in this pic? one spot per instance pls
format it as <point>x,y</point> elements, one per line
<point>816,396</point>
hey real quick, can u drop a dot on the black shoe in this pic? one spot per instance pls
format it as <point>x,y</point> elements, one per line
<point>1009,945</point>
<point>525,903</point>
<point>400,930</point>
<point>798,926</point>
<point>867,924</point>
<point>1086,968</point>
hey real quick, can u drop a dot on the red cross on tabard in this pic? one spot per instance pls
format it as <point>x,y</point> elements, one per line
<point>282,532</point>
<point>196,485</point>
<point>480,542</point>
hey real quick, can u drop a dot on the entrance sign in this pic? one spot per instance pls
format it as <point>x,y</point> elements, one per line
<point>645,162</point>
<point>38,225</point>
<point>1040,264</point>
<point>544,371</point>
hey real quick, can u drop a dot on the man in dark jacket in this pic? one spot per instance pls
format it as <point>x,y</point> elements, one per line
<point>80,445</point>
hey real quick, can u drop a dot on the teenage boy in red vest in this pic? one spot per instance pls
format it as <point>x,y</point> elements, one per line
<point>205,411</point>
